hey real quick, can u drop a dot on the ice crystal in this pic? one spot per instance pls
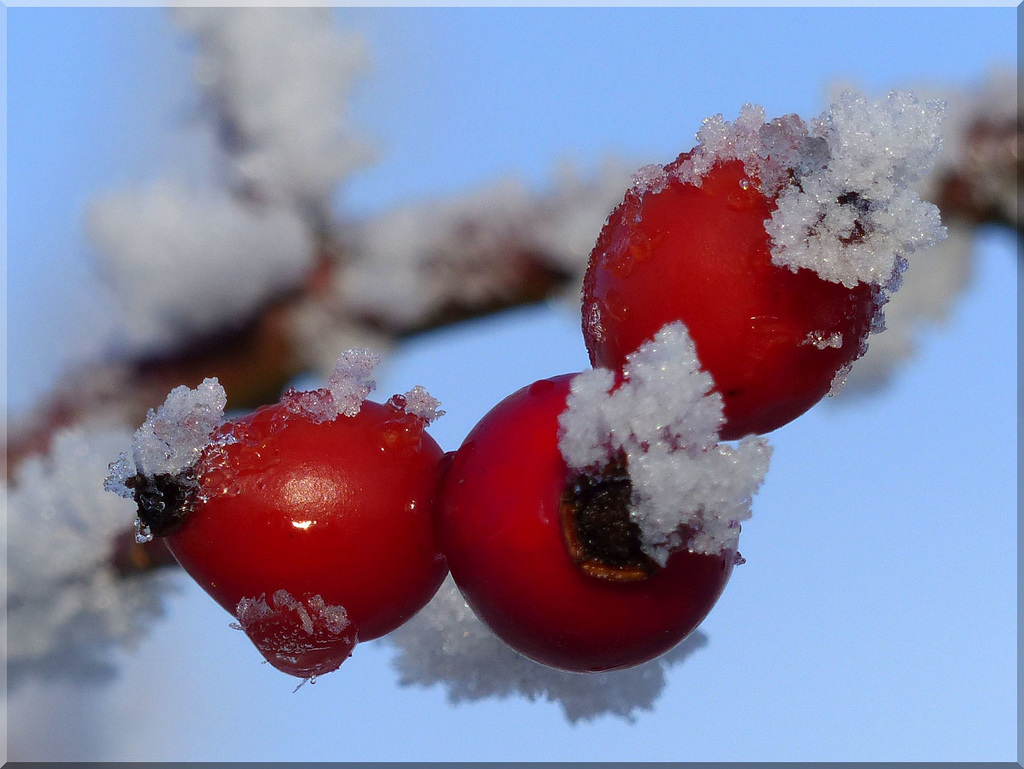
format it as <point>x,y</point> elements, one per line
<point>841,182</point>
<point>665,419</point>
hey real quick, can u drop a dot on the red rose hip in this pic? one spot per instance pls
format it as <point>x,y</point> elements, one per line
<point>341,509</point>
<point>544,555</point>
<point>310,520</point>
<point>772,339</point>
<point>776,242</point>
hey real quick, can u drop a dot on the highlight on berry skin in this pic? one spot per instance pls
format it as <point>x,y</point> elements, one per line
<point>777,242</point>
<point>260,510</point>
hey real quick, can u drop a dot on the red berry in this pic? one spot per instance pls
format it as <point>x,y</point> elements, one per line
<point>316,535</point>
<point>546,557</point>
<point>773,339</point>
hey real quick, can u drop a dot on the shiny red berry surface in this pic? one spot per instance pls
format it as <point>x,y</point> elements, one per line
<point>772,339</point>
<point>338,513</point>
<point>502,525</point>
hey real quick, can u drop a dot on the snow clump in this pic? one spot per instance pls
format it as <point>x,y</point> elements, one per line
<point>845,208</point>
<point>173,436</point>
<point>664,418</point>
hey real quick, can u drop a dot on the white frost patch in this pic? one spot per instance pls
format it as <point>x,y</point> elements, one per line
<point>446,645</point>
<point>665,419</point>
<point>183,263</point>
<point>67,605</point>
<point>350,382</point>
<point>853,221</point>
<point>650,178</point>
<point>420,403</point>
<point>842,181</point>
<point>719,140</point>
<point>173,437</point>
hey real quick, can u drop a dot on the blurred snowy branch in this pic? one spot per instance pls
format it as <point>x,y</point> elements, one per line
<point>73,589</point>
<point>975,182</point>
<point>446,645</point>
<point>277,85</point>
<point>258,281</point>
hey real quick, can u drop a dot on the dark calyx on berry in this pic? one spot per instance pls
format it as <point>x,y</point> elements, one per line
<point>602,538</point>
<point>164,500</point>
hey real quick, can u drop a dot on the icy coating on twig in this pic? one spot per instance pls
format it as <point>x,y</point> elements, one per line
<point>278,82</point>
<point>477,247</point>
<point>184,262</point>
<point>665,418</point>
<point>842,181</point>
<point>68,603</point>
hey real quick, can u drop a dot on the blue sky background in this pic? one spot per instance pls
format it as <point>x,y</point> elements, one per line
<point>875,618</point>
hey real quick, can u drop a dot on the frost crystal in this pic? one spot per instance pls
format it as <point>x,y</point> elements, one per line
<point>446,645</point>
<point>650,178</point>
<point>855,219</point>
<point>422,404</point>
<point>311,613</point>
<point>841,182</point>
<point>819,340</point>
<point>168,446</point>
<point>352,380</point>
<point>665,419</point>
<point>350,383</point>
<point>173,437</point>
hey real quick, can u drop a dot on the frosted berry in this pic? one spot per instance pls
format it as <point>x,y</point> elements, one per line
<point>774,340</point>
<point>313,528</point>
<point>547,557</point>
